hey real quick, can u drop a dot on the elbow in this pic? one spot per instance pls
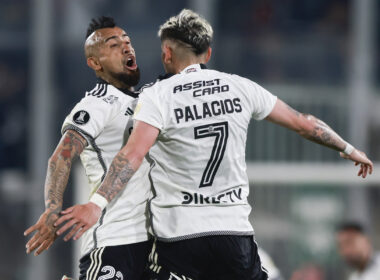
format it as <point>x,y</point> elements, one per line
<point>134,158</point>
<point>52,159</point>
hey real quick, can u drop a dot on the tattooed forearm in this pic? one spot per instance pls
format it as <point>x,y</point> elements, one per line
<point>322,134</point>
<point>119,173</point>
<point>59,166</point>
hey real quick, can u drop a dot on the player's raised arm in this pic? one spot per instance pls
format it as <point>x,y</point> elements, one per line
<point>59,166</point>
<point>81,217</point>
<point>319,132</point>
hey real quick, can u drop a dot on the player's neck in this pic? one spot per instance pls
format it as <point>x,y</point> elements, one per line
<point>182,64</point>
<point>179,68</point>
<point>116,83</point>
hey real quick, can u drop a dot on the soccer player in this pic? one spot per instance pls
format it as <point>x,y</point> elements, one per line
<point>117,244</point>
<point>194,126</point>
<point>357,251</point>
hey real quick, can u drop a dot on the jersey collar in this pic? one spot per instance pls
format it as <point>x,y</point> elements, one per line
<point>193,68</point>
<point>125,91</point>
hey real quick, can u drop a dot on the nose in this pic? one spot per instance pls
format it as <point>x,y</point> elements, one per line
<point>127,48</point>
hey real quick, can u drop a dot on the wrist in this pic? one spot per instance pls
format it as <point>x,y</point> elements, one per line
<point>51,209</point>
<point>349,149</point>
<point>99,200</point>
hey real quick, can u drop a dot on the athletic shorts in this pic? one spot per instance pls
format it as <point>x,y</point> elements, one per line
<point>227,257</point>
<point>123,262</point>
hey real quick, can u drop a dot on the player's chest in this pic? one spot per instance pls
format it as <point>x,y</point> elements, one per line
<point>120,127</point>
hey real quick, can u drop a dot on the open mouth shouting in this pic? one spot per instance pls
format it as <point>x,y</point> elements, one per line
<point>130,63</point>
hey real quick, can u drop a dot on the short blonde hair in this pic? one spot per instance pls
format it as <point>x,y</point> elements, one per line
<point>190,28</point>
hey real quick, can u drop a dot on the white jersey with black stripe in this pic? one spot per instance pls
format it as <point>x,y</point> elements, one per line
<point>198,173</point>
<point>104,118</point>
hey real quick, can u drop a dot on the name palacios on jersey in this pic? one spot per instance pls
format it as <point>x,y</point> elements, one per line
<point>231,196</point>
<point>206,109</point>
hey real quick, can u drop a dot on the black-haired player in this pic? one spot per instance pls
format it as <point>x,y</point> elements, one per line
<point>117,246</point>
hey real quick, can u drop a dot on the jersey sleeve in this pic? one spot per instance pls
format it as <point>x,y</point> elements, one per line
<point>148,109</point>
<point>90,116</point>
<point>262,101</point>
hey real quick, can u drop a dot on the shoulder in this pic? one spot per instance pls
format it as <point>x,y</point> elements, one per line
<point>106,95</point>
<point>100,90</point>
<point>161,82</point>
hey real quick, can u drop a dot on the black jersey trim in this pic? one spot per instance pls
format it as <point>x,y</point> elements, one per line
<point>145,86</point>
<point>91,92</point>
<point>123,90</point>
<point>152,163</point>
<point>164,77</point>
<point>99,90</point>
<point>159,79</point>
<point>92,142</point>
<point>101,219</point>
<point>203,66</point>
<point>209,233</point>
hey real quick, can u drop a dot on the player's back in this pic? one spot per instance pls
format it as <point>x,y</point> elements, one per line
<point>199,170</point>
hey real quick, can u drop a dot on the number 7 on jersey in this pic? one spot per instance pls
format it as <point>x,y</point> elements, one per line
<point>220,132</point>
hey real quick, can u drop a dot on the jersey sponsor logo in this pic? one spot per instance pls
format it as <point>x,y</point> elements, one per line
<point>81,117</point>
<point>211,90</point>
<point>207,110</point>
<point>110,99</point>
<point>196,85</point>
<point>202,88</point>
<point>223,198</point>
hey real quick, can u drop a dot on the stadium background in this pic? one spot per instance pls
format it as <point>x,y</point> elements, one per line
<point>321,56</point>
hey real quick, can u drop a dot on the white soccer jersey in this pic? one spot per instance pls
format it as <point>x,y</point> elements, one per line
<point>198,169</point>
<point>371,272</point>
<point>104,118</point>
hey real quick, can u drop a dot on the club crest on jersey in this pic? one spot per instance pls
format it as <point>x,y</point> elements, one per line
<point>81,117</point>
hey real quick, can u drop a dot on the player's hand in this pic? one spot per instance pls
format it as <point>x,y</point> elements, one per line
<point>45,233</point>
<point>79,218</point>
<point>366,166</point>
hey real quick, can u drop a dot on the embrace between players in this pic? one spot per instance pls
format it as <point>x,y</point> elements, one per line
<point>180,175</point>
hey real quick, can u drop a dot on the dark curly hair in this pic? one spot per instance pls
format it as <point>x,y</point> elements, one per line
<point>99,23</point>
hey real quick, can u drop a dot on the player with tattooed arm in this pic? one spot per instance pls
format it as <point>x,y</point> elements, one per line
<point>117,244</point>
<point>193,128</point>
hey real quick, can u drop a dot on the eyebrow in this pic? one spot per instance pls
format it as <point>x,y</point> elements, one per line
<point>115,37</point>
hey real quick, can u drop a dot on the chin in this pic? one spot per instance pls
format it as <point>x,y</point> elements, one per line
<point>131,78</point>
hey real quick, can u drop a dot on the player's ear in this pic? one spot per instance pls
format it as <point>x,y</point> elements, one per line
<point>167,54</point>
<point>208,55</point>
<point>93,63</point>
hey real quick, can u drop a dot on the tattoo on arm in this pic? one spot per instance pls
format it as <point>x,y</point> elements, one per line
<point>325,135</point>
<point>59,166</point>
<point>118,175</point>
<point>321,132</point>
